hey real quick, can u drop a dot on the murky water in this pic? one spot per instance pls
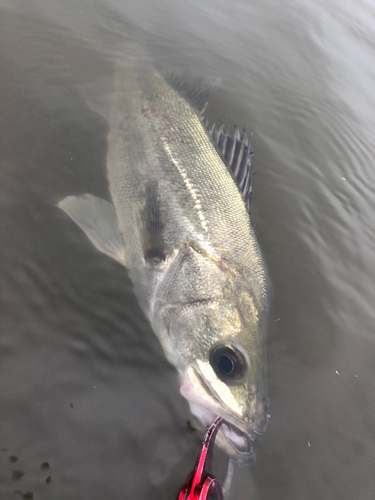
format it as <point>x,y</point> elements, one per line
<point>90,409</point>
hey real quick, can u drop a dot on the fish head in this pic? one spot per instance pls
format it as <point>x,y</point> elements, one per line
<point>219,344</point>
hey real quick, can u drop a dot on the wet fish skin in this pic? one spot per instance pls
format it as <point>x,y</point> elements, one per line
<point>185,236</point>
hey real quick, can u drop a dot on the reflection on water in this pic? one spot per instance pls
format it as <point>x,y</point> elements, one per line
<point>90,408</point>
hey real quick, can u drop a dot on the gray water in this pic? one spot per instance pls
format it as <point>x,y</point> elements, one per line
<point>90,408</point>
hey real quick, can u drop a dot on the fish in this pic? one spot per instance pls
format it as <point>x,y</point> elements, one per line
<point>179,220</point>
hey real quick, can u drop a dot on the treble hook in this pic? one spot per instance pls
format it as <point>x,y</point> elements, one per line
<point>201,484</point>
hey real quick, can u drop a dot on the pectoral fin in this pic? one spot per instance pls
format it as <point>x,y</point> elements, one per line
<point>97,218</point>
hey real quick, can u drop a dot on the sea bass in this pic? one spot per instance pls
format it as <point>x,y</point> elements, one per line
<point>180,222</point>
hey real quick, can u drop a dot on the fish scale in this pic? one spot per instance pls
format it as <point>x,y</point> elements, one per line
<point>172,140</point>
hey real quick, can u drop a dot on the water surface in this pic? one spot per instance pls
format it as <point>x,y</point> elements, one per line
<point>89,407</point>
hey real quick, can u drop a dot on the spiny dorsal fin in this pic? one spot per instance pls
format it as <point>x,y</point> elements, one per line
<point>235,149</point>
<point>193,88</point>
<point>97,95</point>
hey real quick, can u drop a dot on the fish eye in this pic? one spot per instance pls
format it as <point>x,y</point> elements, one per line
<point>228,363</point>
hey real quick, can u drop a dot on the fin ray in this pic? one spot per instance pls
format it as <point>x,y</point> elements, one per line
<point>194,89</point>
<point>235,150</point>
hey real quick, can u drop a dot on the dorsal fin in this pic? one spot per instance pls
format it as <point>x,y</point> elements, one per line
<point>97,94</point>
<point>235,150</point>
<point>194,89</point>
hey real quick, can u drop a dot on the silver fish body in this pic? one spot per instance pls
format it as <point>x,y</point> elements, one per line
<point>180,225</point>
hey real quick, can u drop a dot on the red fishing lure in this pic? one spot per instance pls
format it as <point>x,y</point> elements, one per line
<point>201,484</point>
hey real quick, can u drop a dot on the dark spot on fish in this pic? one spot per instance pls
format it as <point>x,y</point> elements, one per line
<point>4,449</point>
<point>13,459</point>
<point>48,480</point>
<point>17,475</point>
<point>45,466</point>
<point>190,427</point>
<point>153,244</point>
<point>28,495</point>
<point>154,256</point>
<point>187,140</point>
<point>71,405</point>
<point>147,109</point>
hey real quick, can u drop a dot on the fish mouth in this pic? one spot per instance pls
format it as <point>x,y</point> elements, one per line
<point>240,441</point>
<point>235,437</point>
<point>238,445</point>
<point>242,445</point>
